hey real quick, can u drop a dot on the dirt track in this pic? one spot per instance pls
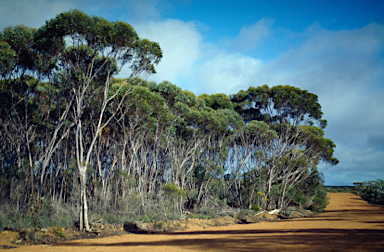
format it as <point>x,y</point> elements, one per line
<point>349,224</point>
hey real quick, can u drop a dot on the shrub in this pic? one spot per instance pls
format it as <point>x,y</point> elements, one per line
<point>299,198</point>
<point>242,215</point>
<point>320,200</point>
<point>372,191</point>
<point>159,225</point>
<point>36,213</point>
<point>172,190</point>
<point>59,231</point>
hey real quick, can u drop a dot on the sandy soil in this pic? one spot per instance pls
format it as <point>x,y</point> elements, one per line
<point>349,224</point>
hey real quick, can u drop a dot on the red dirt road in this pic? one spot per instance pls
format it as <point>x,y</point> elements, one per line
<point>349,224</point>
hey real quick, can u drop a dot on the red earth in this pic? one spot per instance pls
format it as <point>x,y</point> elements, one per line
<point>348,224</point>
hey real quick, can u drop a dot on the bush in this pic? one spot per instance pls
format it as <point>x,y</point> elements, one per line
<point>172,190</point>
<point>59,231</point>
<point>299,198</point>
<point>320,200</point>
<point>372,191</point>
<point>159,225</point>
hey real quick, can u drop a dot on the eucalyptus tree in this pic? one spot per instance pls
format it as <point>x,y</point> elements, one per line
<point>242,141</point>
<point>143,119</point>
<point>211,127</point>
<point>254,137</point>
<point>278,105</point>
<point>291,112</point>
<point>217,101</point>
<point>181,140</point>
<point>193,139</point>
<point>21,69</point>
<point>300,165</point>
<point>97,49</point>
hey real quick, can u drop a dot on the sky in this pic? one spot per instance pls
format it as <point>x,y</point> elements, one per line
<point>334,49</point>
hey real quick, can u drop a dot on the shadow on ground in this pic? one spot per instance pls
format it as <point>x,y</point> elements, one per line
<point>265,240</point>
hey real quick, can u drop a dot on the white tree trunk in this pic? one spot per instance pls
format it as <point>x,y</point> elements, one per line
<point>83,200</point>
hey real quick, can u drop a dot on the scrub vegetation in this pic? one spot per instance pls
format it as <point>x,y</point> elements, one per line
<point>371,191</point>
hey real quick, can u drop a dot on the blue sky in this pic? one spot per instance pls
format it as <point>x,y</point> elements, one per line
<point>334,49</point>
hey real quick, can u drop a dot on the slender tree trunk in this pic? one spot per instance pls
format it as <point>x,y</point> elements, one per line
<point>31,172</point>
<point>83,200</point>
<point>269,189</point>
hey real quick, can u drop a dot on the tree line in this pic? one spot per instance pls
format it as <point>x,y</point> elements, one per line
<point>77,137</point>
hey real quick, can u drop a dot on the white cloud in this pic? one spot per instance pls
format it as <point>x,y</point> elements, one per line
<point>35,13</point>
<point>30,13</point>
<point>343,68</point>
<point>251,36</point>
<point>225,72</point>
<point>181,45</point>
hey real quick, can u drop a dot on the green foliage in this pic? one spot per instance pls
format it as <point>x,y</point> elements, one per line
<point>299,198</point>
<point>278,104</point>
<point>274,196</point>
<point>7,58</point>
<point>15,49</point>
<point>172,190</point>
<point>320,201</point>
<point>256,208</point>
<point>261,130</point>
<point>98,34</point>
<point>316,140</point>
<point>217,101</point>
<point>36,213</point>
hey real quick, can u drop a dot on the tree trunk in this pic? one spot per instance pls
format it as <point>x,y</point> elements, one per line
<point>83,201</point>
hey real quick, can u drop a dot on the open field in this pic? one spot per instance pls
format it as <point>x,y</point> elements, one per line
<point>349,224</point>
